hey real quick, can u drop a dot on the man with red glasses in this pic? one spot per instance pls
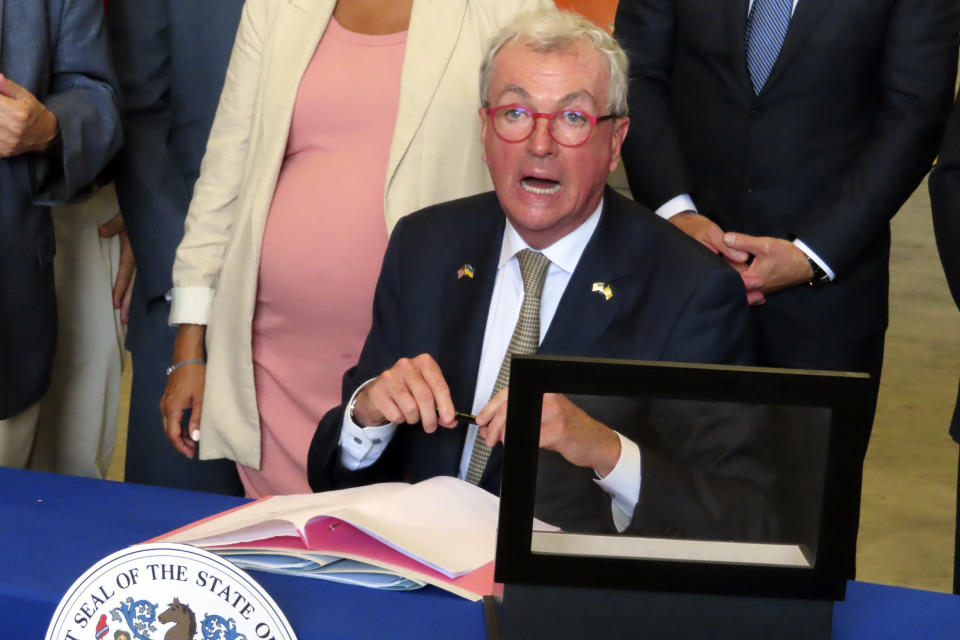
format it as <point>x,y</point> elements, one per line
<point>551,262</point>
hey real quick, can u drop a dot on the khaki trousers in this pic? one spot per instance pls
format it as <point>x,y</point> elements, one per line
<point>16,437</point>
<point>77,425</point>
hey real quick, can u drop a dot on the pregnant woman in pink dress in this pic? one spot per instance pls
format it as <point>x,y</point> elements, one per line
<point>274,279</point>
<point>322,246</point>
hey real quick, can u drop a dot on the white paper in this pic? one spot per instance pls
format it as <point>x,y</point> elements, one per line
<point>445,523</point>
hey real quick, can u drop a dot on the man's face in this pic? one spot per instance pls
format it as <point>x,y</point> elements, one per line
<point>547,190</point>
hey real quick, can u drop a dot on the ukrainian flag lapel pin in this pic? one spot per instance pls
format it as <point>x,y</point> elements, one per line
<point>603,289</point>
<point>465,270</point>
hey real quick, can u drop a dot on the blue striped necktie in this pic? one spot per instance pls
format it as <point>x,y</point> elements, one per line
<point>766,28</point>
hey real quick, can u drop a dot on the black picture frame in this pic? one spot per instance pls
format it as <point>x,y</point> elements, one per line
<point>846,395</point>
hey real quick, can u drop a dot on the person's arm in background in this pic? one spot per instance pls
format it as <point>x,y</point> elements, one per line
<point>83,99</point>
<point>151,189</point>
<point>652,156</point>
<point>917,69</point>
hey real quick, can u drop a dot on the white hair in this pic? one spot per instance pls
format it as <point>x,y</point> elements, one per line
<point>550,29</point>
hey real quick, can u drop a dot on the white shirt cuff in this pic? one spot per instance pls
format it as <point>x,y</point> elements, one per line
<point>623,483</point>
<point>813,256</point>
<point>190,305</point>
<point>675,205</point>
<point>361,446</point>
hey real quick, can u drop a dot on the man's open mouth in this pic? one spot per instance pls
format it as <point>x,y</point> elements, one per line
<point>540,186</point>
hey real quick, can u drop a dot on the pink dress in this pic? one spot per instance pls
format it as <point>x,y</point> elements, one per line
<point>322,247</point>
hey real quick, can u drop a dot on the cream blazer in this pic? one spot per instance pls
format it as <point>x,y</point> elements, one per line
<point>435,156</point>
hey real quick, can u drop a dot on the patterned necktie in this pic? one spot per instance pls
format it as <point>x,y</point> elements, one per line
<point>525,339</point>
<point>766,28</point>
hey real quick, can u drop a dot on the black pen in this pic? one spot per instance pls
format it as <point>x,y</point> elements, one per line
<point>469,418</point>
<point>461,416</point>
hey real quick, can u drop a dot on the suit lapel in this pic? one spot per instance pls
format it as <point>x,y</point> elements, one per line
<point>468,301</point>
<point>735,16</point>
<point>805,18</point>
<point>427,53</point>
<point>584,314</point>
<point>464,322</point>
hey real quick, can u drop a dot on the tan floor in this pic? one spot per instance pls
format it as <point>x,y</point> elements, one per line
<point>907,515</point>
<point>115,472</point>
<point>906,530</point>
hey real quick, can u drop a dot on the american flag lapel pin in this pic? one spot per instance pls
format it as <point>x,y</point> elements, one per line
<point>465,270</point>
<point>603,289</point>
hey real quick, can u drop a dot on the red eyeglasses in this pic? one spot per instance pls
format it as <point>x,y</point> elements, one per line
<point>567,127</point>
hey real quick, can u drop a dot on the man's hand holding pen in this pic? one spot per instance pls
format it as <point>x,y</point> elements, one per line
<point>414,391</point>
<point>564,428</point>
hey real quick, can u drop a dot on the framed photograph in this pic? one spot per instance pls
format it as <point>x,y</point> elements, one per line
<point>746,481</point>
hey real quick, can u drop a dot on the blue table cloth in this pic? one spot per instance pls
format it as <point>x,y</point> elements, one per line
<point>53,528</point>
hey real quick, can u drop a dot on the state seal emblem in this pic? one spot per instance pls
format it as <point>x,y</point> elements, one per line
<point>166,591</point>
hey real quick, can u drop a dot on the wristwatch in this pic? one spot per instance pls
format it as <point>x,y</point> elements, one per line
<point>820,276</point>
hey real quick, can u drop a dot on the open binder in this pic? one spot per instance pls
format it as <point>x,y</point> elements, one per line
<point>441,531</point>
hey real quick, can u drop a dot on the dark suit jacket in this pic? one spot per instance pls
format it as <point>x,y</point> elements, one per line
<point>171,58</point>
<point>671,300</point>
<point>57,50</point>
<point>945,202</point>
<point>841,134</point>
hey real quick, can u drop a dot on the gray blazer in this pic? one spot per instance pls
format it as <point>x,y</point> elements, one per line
<point>171,58</point>
<point>56,49</point>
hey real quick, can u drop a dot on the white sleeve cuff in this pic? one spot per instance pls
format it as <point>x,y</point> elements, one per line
<point>190,305</point>
<point>800,244</point>
<point>675,205</point>
<point>623,483</point>
<point>361,446</point>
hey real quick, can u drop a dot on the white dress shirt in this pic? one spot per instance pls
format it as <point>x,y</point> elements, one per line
<point>362,446</point>
<point>684,202</point>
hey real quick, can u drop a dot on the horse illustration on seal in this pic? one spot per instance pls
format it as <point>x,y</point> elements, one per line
<point>184,622</point>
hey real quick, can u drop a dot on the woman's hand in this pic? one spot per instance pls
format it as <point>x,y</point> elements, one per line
<point>184,391</point>
<point>126,268</point>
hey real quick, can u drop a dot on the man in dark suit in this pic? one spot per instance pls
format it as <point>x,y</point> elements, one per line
<point>945,203</point>
<point>784,134</point>
<point>171,58</point>
<point>554,261</point>
<point>58,127</point>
